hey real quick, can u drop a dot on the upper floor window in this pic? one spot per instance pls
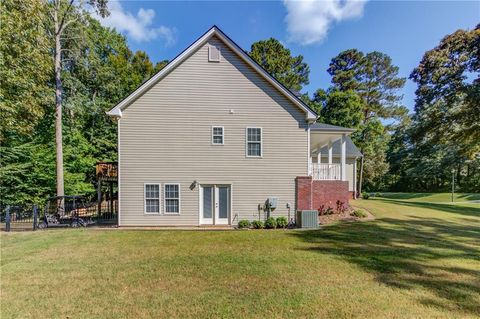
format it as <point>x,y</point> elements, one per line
<point>217,135</point>
<point>152,198</point>
<point>172,198</point>
<point>254,142</point>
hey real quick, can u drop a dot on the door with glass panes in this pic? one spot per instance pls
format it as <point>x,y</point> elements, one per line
<point>215,204</point>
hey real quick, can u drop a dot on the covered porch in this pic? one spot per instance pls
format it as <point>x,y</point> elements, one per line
<point>322,138</point>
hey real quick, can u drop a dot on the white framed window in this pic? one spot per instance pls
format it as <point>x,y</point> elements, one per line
<point>254,147</point>
<point>152,198</point>
<point>171,197</point>
<point>218,135</point>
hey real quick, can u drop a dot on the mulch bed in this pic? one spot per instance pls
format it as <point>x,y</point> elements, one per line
<point>343,217</point>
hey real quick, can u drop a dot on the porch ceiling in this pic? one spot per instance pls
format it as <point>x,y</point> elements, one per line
<point>320,139</point>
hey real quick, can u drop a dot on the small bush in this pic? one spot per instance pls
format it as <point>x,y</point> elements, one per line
<point>271,223</point>
<point>365,195</point>
<point>378,194</point>
<point>322,210</point>
<point>257,224</point>
<point>244,223</point>
<point>359,214</point>
<point>341,207</point>
<point>282,222</point>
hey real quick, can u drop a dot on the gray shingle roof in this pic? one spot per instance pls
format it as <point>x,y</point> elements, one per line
<point>328,127</point>
<point>352,150</point>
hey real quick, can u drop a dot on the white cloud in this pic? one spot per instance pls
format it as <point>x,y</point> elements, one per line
<point>137,27</point>
<point>308,21</point>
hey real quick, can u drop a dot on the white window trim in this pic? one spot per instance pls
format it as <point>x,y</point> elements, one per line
<point>261,142</point>
<point>165,199</point>
<point>223,135</point>
<point>159,199</point>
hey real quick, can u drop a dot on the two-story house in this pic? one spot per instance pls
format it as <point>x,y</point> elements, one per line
<point>211,136</point>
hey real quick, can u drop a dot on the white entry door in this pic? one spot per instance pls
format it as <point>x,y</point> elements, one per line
<point>215,204</point>
<point>222,205</point>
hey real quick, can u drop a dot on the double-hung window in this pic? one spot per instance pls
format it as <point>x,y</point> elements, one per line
<point>217,135</point>
<point>254,142</point>
<point>152,198</point>
<point>172,198</point>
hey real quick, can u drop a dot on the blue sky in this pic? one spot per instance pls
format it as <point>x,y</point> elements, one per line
<point>317,30</point>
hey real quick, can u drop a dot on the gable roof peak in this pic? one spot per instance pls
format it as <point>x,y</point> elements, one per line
<point>310,115</point>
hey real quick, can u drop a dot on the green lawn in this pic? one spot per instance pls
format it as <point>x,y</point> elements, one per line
<point>416,260</point>
<point>432,197</point>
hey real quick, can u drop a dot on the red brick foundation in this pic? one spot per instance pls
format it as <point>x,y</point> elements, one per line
<point>313,194</point>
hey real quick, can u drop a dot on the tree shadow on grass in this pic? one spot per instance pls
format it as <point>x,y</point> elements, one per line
<point>411,254</point>
<point>472,196</point>
<point>448,208</point>
<point>405,195</point>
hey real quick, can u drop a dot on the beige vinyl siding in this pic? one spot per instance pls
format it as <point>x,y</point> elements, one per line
<point>165,137</point>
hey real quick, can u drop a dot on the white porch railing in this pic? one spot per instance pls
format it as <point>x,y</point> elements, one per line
<point>326,172</point>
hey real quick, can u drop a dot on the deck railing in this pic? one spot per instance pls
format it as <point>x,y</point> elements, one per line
<point>107,170</point>
<point>326,171</point>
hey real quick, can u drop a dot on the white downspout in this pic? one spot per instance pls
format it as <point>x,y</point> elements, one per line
<point>355,178</point>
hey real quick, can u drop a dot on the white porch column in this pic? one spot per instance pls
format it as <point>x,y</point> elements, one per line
<point>330,152</point>
<point>319,160</point>
<point>329,169</point>
<point>310,166</point>
<point>343,160</point>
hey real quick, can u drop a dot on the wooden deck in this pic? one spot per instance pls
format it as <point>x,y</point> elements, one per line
<point>107,171</point>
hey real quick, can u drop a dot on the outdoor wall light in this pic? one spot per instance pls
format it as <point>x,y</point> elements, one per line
<point>193,185</point>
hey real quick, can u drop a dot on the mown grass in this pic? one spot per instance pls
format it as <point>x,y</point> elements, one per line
<point>414,260</point>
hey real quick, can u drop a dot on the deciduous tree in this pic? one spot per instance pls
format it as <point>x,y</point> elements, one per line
<point>25,68</point>
<point>64,15</point>
<point>447,106</point>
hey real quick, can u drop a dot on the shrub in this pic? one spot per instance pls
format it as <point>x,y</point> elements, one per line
<point>341,207</point>
<point>365,195</point>
<point>270,223</point>
<point>257,224</point>
<point>378,194</point>
<point>322,210</point>
<point>359,214</point>
<point>244,223</point>
<point>282,222</point>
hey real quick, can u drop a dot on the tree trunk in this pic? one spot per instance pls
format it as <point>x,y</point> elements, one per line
<point>58,108</point>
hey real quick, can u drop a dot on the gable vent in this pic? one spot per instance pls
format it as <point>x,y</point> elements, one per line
<point>213,54</point>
